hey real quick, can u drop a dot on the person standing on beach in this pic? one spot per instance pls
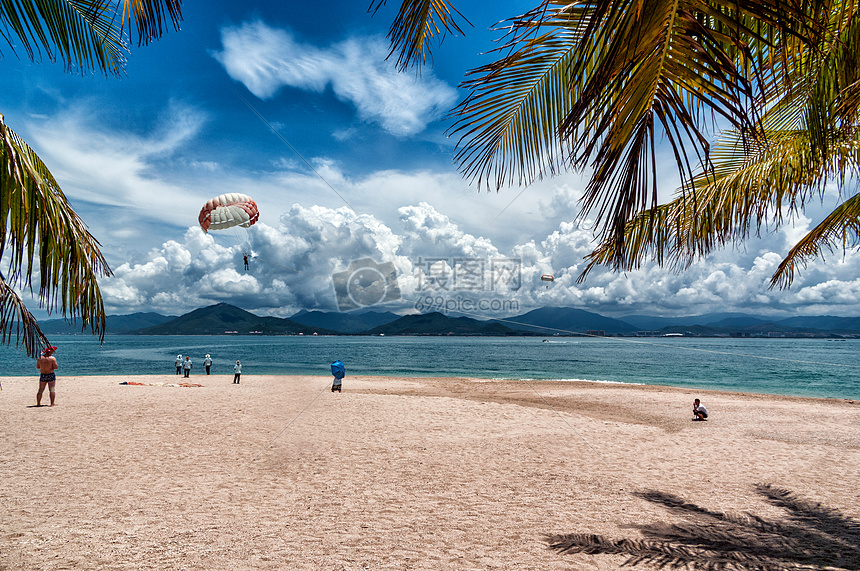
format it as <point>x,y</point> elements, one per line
<point>47,364</point>
<point>207,362</point>
<point>339,372</point>
<point>178,364</point>
<point>237,372</point>
<point>699,411</point>
<point>187,366</point>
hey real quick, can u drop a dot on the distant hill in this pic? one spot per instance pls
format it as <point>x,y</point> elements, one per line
<point>115,324</point>
<point>223,319</point>
<point>344,322</point>
<point>734,323</point>
<point>550,320</point>
<point>740,321</point>
<point>825,322</point>
<point>438,324</point>
<point>709,319</point>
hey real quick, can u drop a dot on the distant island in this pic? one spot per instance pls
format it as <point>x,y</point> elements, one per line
<point>226,319</point>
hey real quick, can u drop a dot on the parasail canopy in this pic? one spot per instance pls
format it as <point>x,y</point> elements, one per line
<point>228,210</point>
<point>547,278</point>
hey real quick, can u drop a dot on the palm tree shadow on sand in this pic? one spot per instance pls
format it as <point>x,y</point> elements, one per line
<point>811,536</point>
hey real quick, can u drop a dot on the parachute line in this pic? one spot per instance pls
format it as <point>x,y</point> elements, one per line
<point>293,149</point>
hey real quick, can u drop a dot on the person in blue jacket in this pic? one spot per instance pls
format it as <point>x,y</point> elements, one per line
<point>339,372</point>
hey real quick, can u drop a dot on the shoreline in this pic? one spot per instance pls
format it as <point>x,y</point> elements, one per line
<point>413,473</point>
<point>581,383</point>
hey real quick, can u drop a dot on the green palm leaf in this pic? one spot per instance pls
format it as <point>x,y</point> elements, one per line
<point>416,24</point>
<point>841,227</point>
<point>807,139</point>
<point>40,231</point>
<point>151,17</point>
<point>84,34</point>
<point>16,321</point>
<point>508,125</point>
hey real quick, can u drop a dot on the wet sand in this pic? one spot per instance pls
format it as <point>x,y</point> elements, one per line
<point>394,473</point>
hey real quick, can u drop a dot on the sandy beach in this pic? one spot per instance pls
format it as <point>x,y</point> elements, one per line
<point>280,473</point>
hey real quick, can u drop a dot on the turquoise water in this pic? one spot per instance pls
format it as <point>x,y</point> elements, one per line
<point>799,367</point>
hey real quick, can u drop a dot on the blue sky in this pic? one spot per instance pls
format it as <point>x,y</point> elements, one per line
<point>372,178</point>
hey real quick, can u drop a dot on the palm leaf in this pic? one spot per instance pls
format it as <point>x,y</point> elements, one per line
<point>635,70</point>
<point>16,321</point>
<point>749,188</point>
<point>79,32</point>
<point>842,226</point>
<point>151,17</point>
<point>84,34</point>
<point>508,125</point>
<point>805,141</point>
<point>39,230</point>
<point>416,24</point>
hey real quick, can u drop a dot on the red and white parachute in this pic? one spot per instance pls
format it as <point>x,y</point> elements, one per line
<point>228,210</point>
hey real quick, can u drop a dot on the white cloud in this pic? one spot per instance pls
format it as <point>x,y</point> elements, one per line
<point>402,217</point>
<point>116,181</point>
<point>295,259</point>
<point>265,59</point>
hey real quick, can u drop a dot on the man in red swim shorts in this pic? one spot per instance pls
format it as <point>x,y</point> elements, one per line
<point>47,364</point>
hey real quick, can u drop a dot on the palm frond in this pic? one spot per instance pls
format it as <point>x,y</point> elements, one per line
<point>16,321</point>
<point>151,17</point>
<point>840,228</point>
<point>85,34</point>
<point>417,23</point>
<point>750,186</point>
<point>81,33</point>
<point>808,138</point>
<point>508,125</point>
<point>38,226</point>
<point>628,73</point>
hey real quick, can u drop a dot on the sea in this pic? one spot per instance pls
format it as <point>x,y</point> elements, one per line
<point>828,368</point>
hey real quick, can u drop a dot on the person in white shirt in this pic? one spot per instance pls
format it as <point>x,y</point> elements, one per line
<point>237,372</point>
<point>207,362</point>
<point>699,411</point>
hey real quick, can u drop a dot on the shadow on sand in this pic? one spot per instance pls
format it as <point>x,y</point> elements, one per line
<point>811,536</point>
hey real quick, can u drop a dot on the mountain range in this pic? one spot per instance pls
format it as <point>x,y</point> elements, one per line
<point>226,319</point>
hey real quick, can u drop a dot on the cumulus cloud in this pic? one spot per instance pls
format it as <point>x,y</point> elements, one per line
<point>294,261</point>
<point>265,59</point>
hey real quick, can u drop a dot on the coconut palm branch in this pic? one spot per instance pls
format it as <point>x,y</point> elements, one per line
<point>84,34</point>
<point>749,188</point>
<point>151,17</point>
<point>79,32</point>
<point>809,139</point>
<point>42,233</point>
<point>39,231</point>
<point>634,70</point>
<point>17,321</point>
<point>417,23</point>
<point>842,226</point>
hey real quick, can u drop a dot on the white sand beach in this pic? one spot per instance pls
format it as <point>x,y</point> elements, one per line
<point>396,473</point>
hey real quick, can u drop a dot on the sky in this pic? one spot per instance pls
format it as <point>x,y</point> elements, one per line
<point>351,166</point>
